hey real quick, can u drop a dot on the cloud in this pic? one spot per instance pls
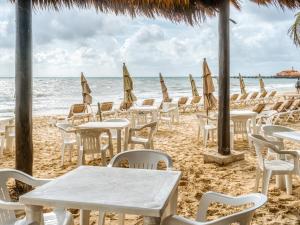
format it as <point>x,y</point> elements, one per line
<point>70,41</point>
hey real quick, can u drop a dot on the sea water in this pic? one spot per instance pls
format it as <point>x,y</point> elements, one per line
<point>53,96</point>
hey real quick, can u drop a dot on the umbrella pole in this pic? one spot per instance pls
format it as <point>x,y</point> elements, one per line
<point>224,85</point>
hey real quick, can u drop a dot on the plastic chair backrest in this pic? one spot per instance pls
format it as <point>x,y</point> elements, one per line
<point>261,143</point>
<point>90,140</point>
<point>242,217</point>
<point>6,216</point>
<point>142,159</point>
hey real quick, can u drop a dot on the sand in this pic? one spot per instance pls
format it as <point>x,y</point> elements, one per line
<point>182,145</point>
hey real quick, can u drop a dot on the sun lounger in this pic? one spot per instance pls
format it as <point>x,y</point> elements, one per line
<point>148,102</point>
<point>79,112</point>
<point>106,109</point>
<point>270,98</point>
<point>251,98</point>
<point>194,104</point>
<point>182,103</point>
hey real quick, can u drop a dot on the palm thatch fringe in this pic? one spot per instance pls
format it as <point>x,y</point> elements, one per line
<point>189,11</point>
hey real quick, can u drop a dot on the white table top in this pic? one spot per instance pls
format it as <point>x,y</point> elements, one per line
<point>121,190</point>
<point>6,119</point>
<point>144,108</point>
<point>289,135</point>
<point>245,113</point>
<point>117,124</point>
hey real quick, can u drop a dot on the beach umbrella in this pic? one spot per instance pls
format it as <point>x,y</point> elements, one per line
<point>242,85</point>
<point>193,85</point>
<point>261,84</point>
<point>164,89</point>
<point>210,101</point>
<point>129,97</point>
<point>86,91</point>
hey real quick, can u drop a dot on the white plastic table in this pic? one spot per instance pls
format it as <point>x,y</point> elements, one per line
<point>153,110</point>
<point>117,124</point>
<point>150,193</point>
<point>245,114</point>
<point>289,135</point>
<point>6,119</point>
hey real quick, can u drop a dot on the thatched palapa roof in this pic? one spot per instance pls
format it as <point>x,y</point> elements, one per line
<point>189,11</point>
<point>281,3</point>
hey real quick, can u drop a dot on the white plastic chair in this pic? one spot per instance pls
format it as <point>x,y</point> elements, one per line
<point>269,130</point>
<point>147,142</point>
<point>169,113</point>
<point>138,159</point>
<point>10,137</point>
<point>8,208</point>
<point>242,217</point>
<point>68,139</point>
<point>206,127</point>
<point>142,159</point>
<point>90,144</point>
<point>273,167</point>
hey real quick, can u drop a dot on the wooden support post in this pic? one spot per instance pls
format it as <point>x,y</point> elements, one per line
<point>224,80</point>
<point>23,86</point>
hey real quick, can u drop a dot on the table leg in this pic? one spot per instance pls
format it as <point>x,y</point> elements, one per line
<point>84,217</point>
<point>34,214</point>
<point>126,139</point>
<point>119,140</point>
<point>152,220</point>
<point>254,125</point>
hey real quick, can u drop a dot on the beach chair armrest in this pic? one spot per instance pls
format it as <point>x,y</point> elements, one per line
<point>178,220</point>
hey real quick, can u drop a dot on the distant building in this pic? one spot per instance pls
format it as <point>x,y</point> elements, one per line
<point>289,73</point>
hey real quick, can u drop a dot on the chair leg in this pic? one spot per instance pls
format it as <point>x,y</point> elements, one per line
<point>205,138</point>
<point>257,179</point>
<point>289,184</point>
<point>103,158</point>
<point>80,158</point>
<point>198,135</point>
<point>101,220</point>
<point>70,153</point>
<point>121,219</point>
<point>62,154</point>
<point>266,179</point>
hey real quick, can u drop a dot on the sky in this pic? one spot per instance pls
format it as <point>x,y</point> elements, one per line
<point>71,41</point>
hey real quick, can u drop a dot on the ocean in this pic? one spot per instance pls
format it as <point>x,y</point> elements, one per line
<point>54,96</point>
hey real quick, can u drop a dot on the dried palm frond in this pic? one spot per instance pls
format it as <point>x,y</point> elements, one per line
<point>189,11</point>
<point>281,3</point>
<point>294,30</point>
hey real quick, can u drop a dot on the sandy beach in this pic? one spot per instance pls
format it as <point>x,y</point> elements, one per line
<point>182,145</point>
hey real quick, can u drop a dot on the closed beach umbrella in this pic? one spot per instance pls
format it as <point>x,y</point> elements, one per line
<point>262,85</point>
<point>210,101</point>
<point>164,89</point>
<point>86,91</point>
<point>129,97</point>
<point>242,85</point>
<point>193,85</point>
